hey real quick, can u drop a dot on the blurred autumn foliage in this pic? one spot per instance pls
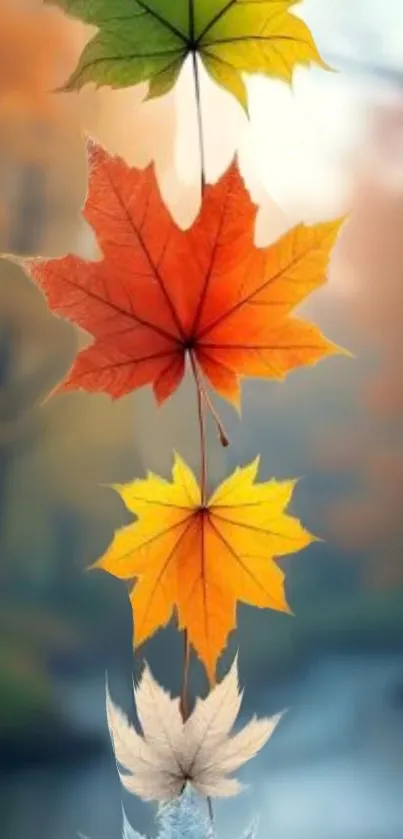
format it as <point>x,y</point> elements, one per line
<point>368,521</point>
<point>43,171</point>
<point>42,155</point>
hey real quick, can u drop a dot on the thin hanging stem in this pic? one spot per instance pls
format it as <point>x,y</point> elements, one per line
<point>199,121</point>
<point>202,427</point>
<point>196,76</point>
<point>210,809</point>
<point>224,439</point>
<point>205,399</point>
<point>184,701</point>
<point>202,401</point>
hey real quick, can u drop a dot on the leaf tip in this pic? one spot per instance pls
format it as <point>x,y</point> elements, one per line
<point>336,349</point>
<point>255,463</point>
<point>347,353</point>
<point>314,538</point>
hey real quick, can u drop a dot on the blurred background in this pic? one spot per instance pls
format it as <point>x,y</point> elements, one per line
<point>332,144</point>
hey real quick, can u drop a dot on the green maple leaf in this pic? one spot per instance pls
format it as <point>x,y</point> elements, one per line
<point>149,40</point>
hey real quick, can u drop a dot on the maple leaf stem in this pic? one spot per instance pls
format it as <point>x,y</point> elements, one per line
<point>184,701</point>
<point>202,426</point>
<point>199,121</point>
<point>210,809</point>
<point>222,434</point>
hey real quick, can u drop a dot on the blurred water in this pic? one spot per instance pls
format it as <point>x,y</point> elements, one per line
<point>333,770</point>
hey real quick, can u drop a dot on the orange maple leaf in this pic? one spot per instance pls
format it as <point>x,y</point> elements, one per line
<point>203,557</point>
<point>161,294</point>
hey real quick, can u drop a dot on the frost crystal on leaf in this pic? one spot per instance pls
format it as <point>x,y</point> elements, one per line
<point>127,830</point>
<point>184,818</point>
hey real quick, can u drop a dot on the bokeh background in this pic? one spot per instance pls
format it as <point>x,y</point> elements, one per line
<point>333,144</point>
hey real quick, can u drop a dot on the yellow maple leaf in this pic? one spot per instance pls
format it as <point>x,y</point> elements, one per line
<point>203,558</point>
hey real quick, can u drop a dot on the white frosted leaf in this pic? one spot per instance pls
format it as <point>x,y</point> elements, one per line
<point>212,720</point>
<point>160,718</point>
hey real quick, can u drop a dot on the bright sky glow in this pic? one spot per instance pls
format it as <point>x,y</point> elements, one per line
<point>299,144</point>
